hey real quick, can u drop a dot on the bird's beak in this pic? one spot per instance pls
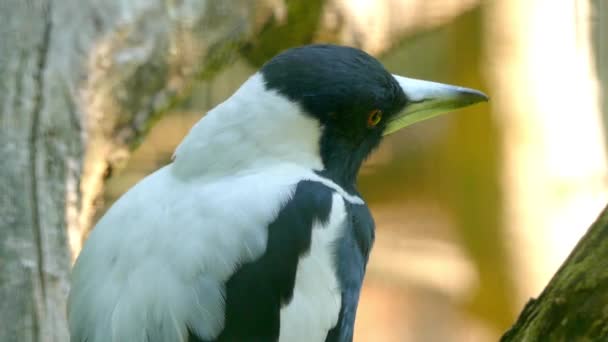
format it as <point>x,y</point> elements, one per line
<point>429,99</point>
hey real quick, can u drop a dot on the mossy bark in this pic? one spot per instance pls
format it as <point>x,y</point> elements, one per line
<point>574,306</point>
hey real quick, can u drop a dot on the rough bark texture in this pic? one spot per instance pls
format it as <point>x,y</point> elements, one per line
<point>573,306</point>
<point>39,146</point>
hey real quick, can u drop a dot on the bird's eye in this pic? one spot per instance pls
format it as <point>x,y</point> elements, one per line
<point>374,118</point>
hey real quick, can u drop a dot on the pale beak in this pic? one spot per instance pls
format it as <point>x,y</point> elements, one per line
<point>429,99</point>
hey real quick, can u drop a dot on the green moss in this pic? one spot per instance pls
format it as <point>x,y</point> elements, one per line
<point>574,306</point>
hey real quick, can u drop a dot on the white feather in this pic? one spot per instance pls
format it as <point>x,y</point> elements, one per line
<point>155,264</point>
<point>253,128</point>
<point>315,306</point>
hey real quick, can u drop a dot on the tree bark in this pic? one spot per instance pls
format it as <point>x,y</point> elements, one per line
<point>38,156</point>
<point>573,306</point>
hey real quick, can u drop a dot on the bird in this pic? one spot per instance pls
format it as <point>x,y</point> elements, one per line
<point>255,231</point>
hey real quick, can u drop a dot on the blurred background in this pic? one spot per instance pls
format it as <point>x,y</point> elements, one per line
<point>475,210</point>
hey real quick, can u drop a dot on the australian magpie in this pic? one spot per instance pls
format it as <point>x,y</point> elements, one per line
<point>255,231</point>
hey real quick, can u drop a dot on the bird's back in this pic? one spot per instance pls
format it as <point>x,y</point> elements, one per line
<point>175,258</point>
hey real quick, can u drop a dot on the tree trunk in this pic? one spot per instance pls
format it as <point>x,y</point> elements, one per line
<point>573,306</point>
<point>39,161</point>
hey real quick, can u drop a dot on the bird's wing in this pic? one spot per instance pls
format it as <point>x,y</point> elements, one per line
<point>293,285</point>
<point>177,258</point>
<point>353,256</point>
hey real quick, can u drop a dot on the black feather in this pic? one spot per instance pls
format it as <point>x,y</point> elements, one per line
<point>258,290</point>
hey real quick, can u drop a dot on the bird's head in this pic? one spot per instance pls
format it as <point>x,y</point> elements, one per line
<point>335,102</point>
<point>356,100</point>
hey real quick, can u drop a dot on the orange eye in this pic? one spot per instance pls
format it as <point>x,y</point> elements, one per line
<point>374,118</point>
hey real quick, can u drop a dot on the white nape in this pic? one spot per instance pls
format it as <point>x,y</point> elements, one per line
<point>251,129</point>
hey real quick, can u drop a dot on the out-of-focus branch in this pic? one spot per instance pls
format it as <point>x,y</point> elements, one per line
<point>599,33</point>
<point>376,26</point>
<point>573,306</point>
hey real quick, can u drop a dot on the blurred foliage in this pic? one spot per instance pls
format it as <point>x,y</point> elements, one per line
<point>297,28</point>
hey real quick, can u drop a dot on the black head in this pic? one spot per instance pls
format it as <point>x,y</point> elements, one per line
<point>348,91</point>
<point>355,99</point>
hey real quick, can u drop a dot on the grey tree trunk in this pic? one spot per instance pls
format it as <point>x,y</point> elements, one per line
<point>39,149</point>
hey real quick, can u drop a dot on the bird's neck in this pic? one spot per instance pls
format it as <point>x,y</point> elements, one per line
<point>252,130</point>
<point>341,162</point>
<point>346,182</point>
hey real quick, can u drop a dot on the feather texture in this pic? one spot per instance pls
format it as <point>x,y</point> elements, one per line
<point>155,267</point>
